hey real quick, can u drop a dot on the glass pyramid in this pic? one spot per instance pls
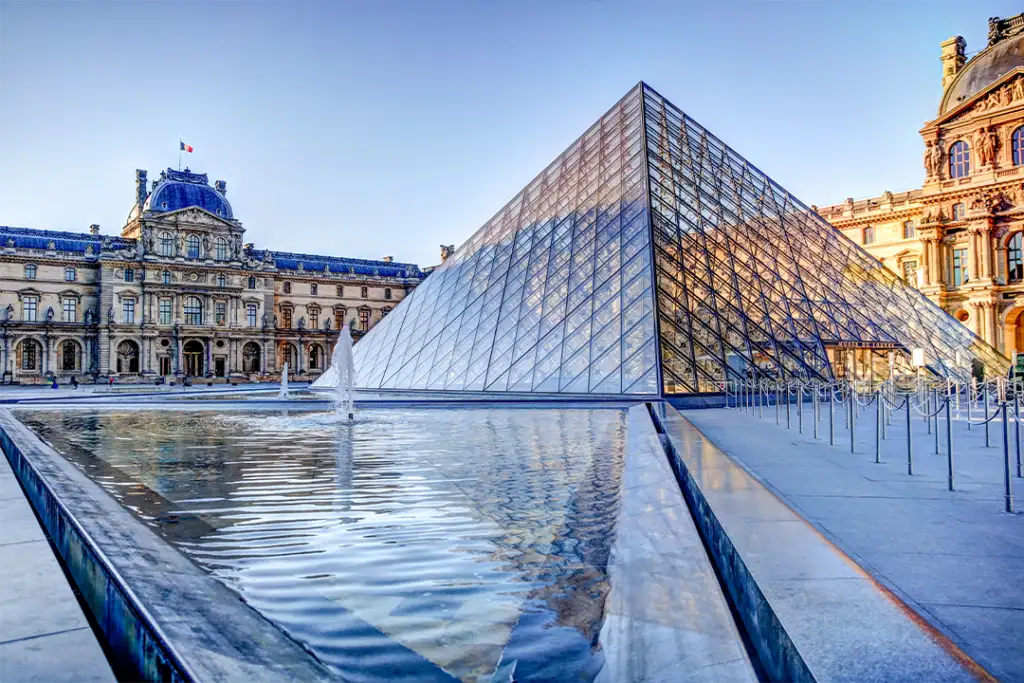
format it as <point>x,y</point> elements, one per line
<point>650,258</point>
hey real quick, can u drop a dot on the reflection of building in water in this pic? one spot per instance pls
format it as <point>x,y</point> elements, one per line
<point>179,293</point>
<point>958,238</point>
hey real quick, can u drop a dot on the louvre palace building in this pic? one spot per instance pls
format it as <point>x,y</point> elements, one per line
<point>179,293</point>
<point>958,238</point>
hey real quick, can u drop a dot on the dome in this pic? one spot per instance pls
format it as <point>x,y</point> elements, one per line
<point>985,68</point>
<point>181,189</point>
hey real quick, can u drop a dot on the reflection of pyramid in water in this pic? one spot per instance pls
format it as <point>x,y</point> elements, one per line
<point>554,294</point>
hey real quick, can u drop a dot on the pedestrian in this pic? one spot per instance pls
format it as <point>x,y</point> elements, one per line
<point>111,380</point>
<point>74,382</point>
<point>53,382</point>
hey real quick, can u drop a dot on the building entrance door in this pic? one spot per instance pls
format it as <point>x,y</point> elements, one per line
<point>218,366</point>
<point>165,365</point>
<point>193,353</point>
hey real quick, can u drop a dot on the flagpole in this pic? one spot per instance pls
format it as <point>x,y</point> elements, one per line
<point>179,151</point>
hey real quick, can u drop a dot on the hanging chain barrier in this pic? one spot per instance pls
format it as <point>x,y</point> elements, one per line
<point>979,403</point>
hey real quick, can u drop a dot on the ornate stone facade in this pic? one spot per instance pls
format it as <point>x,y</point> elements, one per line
<point>179,293</point>
<point>958,237</point>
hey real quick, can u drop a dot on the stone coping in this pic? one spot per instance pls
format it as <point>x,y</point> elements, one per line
<point>162,616</point>
<point>811,613</point>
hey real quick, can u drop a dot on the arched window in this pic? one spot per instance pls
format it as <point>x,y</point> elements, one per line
<point>30,354</point>
<point>1015,259</point>
<point>958,211</point>
<point>252,283</point>
<point>166,244</point>
<point>167,277</point>
<point>221,249</point>
<point>70,356</point>
<point>192,246</point>
<point>387,293</point>
<point>287,287</point>
<point>1017,146</point>
<point>959,160</point>
<point>70,275</point>
<point>30,272</point>
<point>127,357</point>
<point>251,357</point>
<point>193,310</point>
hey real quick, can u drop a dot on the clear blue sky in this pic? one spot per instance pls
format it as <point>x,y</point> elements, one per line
<point>389,128</point>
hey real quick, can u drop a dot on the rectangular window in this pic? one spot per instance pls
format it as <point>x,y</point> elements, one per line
<point>165,311</point>
<point>958,212</point>
<point>341,290</point>
<point>339,319</point>
<point>221,312</point>
<point>364,292</point>
<point>960,274</point>
<point>286,318</point>
<point>70,275</point>
<point>28,308</point>
<point>129,275</point>
<point>250,315</point>
<point>364,320</point>
<point>314,319</point>
<point>166,244</point>
<point>312,290</point>
<point>69,314</point>
<point>869,235</point>
<point>128,310</point>
<point>909,231</point>
<point>910,272</point>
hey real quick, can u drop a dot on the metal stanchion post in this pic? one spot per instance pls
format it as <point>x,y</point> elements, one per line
<point>776,404</point>
<point>853,418</point>
<point>816,403</point>
<point>949,446</point>
<point>831,417</point>
<point>970,398</point>
<point>928,411</point>
<point>878,427</point>
<point>1007,484</point>
<point>910,441</point>
<point>789,401</point>
<point>800,408</point>
<point>1016,424</point>
<point>935,404</point>
<point>988,443</point>
<point>760,401</point>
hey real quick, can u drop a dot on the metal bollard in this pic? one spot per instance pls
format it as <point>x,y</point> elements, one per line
<point>1007,484</point>
<point>910,441</point>
<point>949,446</point>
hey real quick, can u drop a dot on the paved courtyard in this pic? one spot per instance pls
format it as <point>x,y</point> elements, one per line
<point>955,557</point>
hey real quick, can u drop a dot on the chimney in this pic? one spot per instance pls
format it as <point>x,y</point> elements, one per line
<point>953,59</point>
<point>140,186</point>
<point>221,187</point>
<point>388,259</point>
<point>94,229</point>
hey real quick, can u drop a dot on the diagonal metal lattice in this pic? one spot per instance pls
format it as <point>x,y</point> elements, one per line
<point>650,258</point>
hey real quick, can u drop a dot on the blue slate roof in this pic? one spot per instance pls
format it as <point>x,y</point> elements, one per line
<point>353,266</point>
<point>76,242</point>
<point>181,189</point>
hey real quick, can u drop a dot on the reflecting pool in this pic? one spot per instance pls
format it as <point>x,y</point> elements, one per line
<point>413,544</point>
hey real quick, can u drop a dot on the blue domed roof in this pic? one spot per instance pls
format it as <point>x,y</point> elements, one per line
<point>181,189</point>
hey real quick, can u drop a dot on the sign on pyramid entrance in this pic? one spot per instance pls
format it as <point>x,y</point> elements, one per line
<point>651,259</point>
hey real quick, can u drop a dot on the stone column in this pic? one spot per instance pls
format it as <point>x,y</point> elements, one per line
<point>178,346</point>
<point>985,244</point>
<point>208,369</point>
<point>926,260</point>
<point>938,262</point>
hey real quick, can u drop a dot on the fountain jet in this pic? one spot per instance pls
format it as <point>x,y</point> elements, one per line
<point>341,359</point>
<point>284,382</point>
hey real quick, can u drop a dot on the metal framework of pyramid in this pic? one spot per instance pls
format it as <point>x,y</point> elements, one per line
<point>651,259</point>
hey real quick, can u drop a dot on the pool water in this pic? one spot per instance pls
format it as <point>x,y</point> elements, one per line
<point>414,544</point>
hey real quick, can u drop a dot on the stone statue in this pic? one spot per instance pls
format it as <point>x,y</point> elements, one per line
<point>446,251</point>
<point>985,142</point>
<point>206,245</point>
<point>1017,91</point>
<point>929,160</point>
<point>110,314</point>
<point>302,322</point>
<point>9,312</point>
<point>88,316</point>
<point>327,325</point>
<point>181,243</point>
<point>49,314</point>
<point>936,152</point>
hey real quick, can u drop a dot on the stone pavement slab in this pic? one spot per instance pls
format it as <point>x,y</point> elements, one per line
<point>955,557</point>
<point>44,635</point>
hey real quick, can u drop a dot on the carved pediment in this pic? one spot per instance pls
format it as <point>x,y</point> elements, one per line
<point>1004,93</point>
<point>195,216</point>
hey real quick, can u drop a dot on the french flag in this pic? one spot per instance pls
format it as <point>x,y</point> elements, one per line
<point>184,147</point>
